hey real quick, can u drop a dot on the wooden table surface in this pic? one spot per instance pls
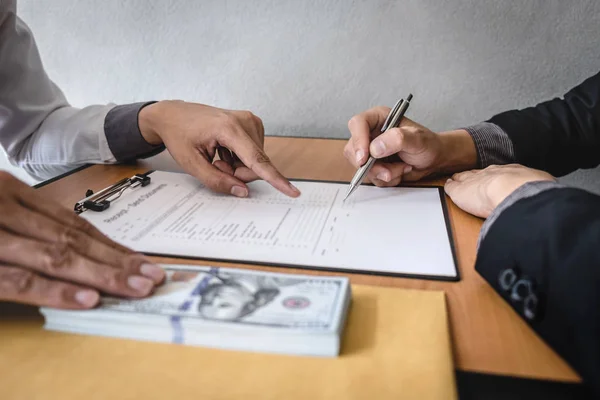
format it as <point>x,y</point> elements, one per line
<point>487,335</point>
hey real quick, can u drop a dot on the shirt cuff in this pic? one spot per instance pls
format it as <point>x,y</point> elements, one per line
<point>493,145</point>
<point>529,189</point>
<point>123,133</point>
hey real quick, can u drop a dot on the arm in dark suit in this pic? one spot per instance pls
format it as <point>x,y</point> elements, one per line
<point>542,254</point>
<point>540,249</point>
<point>560,135</point>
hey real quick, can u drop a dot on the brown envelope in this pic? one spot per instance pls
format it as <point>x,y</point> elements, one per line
<point>396,346</point>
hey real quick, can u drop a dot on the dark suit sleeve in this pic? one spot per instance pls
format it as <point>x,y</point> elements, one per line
<point>542,255</point>
<point>560,135</point>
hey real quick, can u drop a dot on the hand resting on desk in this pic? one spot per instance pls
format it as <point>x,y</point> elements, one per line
<point>479,192</point>
<point>51,257</point>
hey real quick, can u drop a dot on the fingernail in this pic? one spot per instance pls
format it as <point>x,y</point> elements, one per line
<point>378,148</point>
<point>140,284</point>
<point>87,298</point>
<point>359,156</point>
<point>152,271</point>
<point>382,176</point>
<point>407,169</point>
<point>239,191</point>
<point>294,188</point>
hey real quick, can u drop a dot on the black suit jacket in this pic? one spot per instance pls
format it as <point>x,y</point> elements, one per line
<point>542,254</point>
<point>560,135</point>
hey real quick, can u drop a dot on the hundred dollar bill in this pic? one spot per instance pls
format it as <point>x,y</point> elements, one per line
<point>242,297</point>
<point>218,307</point>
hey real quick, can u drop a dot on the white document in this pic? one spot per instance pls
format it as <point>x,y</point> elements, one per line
<point>390,231</point>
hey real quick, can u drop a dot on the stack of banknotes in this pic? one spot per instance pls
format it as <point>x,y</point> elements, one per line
<point>234,309</point>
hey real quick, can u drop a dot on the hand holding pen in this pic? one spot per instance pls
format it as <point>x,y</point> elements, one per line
<point>408,152</point>
<point>393,120</point>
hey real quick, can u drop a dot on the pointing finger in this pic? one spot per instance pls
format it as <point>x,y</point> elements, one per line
<point>256,159</point>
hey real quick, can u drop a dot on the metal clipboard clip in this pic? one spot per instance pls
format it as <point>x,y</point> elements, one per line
<point>101,200</point>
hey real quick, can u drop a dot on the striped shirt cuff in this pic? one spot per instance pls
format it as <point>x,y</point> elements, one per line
<point>123,133</point>
<point>493,145</point>
<point>529,189</point>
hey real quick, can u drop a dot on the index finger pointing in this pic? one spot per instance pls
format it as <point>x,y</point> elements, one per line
<point>255,158</point>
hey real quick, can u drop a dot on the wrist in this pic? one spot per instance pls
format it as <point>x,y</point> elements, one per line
<point>458,152</point>
<point>511,184</point>
<point>148,119</point>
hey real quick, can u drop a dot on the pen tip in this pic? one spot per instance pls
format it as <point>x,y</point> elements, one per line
<point>409,98</point>
<point>348,192</point>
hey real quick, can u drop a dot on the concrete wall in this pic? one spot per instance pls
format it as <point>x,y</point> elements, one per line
<point>306,67</point>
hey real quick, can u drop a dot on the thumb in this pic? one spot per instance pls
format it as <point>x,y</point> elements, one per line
<point>396,140</point>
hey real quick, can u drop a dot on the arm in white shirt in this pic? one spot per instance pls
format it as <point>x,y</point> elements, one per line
<point>39,130</point>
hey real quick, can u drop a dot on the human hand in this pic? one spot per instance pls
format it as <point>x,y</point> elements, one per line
<point>194,133</point>
<point>479,192</point>
<point>409,152</point>
<point>51,257</point>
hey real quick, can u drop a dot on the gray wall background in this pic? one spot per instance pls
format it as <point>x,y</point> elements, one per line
<point>305,67</point>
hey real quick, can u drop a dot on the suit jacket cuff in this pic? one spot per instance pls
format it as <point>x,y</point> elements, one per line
<point>493,145</point>
<point>527,190</point>
<point>123,133</point>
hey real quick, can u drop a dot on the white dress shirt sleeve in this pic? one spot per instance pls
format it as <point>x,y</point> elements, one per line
<point>39,130</point>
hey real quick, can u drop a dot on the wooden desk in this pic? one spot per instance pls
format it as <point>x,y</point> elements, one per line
<point>487,335</point>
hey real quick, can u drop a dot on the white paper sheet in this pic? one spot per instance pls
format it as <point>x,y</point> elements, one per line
<point>391,230</point>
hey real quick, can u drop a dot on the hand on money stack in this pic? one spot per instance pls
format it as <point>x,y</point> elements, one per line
<point>224,308</point>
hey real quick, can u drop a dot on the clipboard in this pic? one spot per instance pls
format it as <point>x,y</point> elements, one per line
<point>100,201</point>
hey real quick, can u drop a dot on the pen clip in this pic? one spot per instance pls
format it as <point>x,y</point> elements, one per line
<point>101,200</point>
<point>393,112</point>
